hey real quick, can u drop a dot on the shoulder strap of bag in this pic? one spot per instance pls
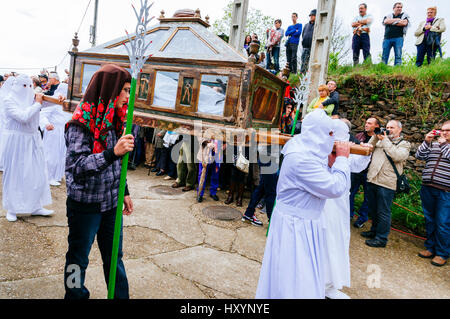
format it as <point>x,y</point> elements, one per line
<point>392,163</point>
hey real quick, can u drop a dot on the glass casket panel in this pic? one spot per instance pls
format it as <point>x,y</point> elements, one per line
<point>88,72</point>
<point>213,91</point>
<point>166,88</point>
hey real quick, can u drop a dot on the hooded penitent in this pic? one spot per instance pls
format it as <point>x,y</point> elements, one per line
<point>341,131</point>
<point>25,181</point>
<point>97,111</point>
<point>293,264</point>
<point>6,87</point>
<point>22,90</point>
<point>316,140</point>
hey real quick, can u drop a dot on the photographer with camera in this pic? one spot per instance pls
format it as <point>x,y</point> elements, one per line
<point>389,149</point>
<point>435,194</point>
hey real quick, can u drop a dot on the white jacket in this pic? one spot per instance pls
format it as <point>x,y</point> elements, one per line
<point>437,26</point>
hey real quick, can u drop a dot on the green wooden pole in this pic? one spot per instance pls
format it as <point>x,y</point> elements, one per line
<point>292,134</point>
<point>121,195</point>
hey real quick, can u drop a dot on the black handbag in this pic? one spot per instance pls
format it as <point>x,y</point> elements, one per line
<point>432,39</point>
<point>402,181</point>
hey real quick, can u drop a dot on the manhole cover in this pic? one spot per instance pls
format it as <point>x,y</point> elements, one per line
<point>165,190</point>
<point>222,213</point>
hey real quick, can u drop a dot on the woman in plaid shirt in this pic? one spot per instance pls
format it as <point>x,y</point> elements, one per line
<point>93,165</point>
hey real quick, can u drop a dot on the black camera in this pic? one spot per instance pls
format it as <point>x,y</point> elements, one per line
<point>381,130</point>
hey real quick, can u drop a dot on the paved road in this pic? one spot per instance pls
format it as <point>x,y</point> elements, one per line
<point>173,250</point>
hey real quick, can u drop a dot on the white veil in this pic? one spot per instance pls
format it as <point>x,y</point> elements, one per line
<point>315,141</point>
<point>22,91</point>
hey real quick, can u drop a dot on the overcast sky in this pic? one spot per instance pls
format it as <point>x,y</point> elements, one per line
<point>38,34</point>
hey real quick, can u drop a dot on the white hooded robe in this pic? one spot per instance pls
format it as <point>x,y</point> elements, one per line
<point>4,91</point>
<point>25,183</point>
<point>293,264</point>
<point>54,141</point>
<point>336,221</point>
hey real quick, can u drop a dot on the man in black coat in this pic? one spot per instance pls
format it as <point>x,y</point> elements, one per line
<point>333,98</point>
<point>307,37</point>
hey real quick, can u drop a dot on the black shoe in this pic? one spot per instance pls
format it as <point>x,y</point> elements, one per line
<point>368,234</point>
<point>200,199</point>
<point>160,173</point>
<point>132,166</point>
<point>375,243</point>
<point>358,224</point>
<point>154,170</point>
<point>215,197</point>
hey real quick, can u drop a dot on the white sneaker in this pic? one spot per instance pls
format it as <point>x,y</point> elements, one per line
<point>168,178</point>
<point>333,293</point>
<point>55,183</point>
<point>42,212</point>
<point>11,217</point>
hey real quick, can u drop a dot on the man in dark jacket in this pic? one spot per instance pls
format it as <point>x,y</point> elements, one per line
<point>307,37</point>
<point>359,179</point>
<point>333,97</point>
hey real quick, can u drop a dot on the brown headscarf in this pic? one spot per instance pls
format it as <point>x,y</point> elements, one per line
<point>96,111</point>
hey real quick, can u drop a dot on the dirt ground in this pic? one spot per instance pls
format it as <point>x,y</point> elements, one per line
<point>172,249</point>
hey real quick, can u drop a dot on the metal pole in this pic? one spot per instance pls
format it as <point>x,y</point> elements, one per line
<point>94,27</point>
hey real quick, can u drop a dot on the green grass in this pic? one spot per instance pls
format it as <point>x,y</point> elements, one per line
<point>437,71</point>
<point>411,201</point>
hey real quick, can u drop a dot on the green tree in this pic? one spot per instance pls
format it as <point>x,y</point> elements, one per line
<point>257,22</point>
<point>339,46</point>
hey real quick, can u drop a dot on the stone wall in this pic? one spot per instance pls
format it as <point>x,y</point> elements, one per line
<point>418,108</point>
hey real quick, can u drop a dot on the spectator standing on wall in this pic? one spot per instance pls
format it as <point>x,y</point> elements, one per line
<point>428,36</point>
<point>307,37</point>
<point>396,24</point>
<point>293,32</point>
<point>361,29</point>
<point>274,38</point>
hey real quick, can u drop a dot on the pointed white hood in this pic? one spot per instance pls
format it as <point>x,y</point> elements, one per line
<point>6,87</point>
<point>341,131</point>
<point>314,142</point>
<point>22,91</point>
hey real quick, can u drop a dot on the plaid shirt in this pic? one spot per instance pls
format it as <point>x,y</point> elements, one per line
<point>92,178</point>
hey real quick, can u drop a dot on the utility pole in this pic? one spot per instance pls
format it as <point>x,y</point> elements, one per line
<point>93,37</point>
<point>238,23</point>
<point>320,50</point>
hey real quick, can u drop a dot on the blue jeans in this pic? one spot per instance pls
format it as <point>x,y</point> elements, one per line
<point>276,58</point>
<point>83,227</point>
<point>380,202</point>
<point>436,208</point>
<point>359,179</point>
<point>266,189</point>
<point>214,168</point>
<point>397,43</point>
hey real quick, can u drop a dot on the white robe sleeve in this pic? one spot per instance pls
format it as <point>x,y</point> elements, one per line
<point>21,114</point>
<point>61,90</point>
<point>44,117</point>
<point>323,183</point>
<point>358,163</point>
